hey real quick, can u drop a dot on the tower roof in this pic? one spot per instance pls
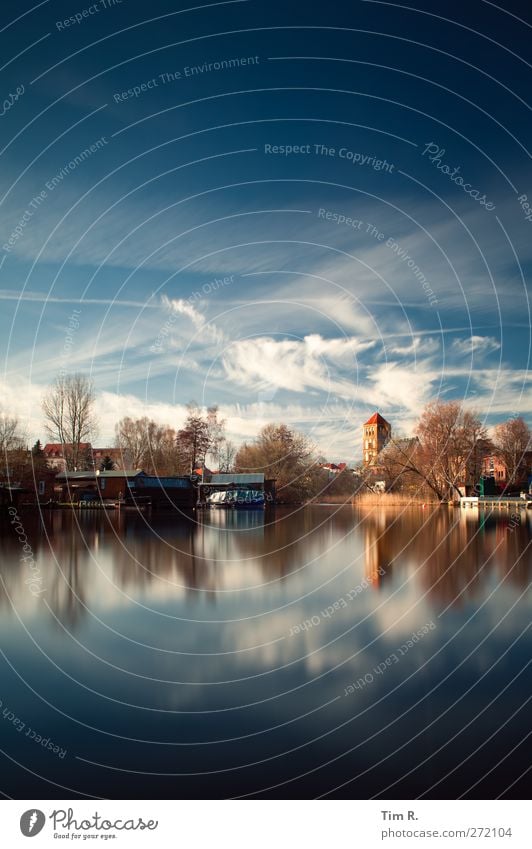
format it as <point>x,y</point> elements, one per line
<point>377,419</point>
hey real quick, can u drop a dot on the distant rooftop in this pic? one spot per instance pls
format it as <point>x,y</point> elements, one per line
<point>257,477</point>
<point>63,476</point>
<point>377,419</point>
<point>56,448</point>
<point>123,473</point>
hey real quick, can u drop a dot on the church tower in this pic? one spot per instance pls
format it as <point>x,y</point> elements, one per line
<point>376,432</point>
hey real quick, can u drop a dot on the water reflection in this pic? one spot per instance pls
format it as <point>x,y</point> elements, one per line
<point>453,554</point>
<point>244,630</point>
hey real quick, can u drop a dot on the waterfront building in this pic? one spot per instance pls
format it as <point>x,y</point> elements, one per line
<point>130,486</point>
<point>94,485</point>
<point>226,482</point>
<point>493,466</point>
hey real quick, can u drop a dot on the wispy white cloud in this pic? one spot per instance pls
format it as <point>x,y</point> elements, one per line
<point>419,346</point>
<point>295,365</point>
<point>232,234</point>
<point>45,298</point>
<point>178,306</point>
<point>477,345</point>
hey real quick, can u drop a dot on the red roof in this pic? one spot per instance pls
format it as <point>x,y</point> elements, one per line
<point>56,449</point>
<point>376,419</point>
<point>334,467</point>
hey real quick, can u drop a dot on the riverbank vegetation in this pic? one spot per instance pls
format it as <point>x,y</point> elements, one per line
<point>378,499</point>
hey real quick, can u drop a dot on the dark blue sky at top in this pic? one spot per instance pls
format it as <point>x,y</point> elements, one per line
<point>321,322</point>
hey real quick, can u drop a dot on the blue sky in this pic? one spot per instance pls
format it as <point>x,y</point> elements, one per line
<point>208,262</point>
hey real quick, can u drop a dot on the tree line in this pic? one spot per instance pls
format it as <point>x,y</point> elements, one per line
<point>69,412</point>
<point>446,451</point>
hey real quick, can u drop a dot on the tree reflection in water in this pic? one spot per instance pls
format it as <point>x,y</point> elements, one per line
<point>451,554</point>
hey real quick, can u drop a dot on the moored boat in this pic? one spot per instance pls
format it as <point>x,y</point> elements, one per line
<point>237,499</point>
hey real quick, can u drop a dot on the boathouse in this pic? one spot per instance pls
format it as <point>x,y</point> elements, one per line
<point>232,480</point>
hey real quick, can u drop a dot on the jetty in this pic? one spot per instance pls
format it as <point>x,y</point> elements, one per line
<point>496,502</point>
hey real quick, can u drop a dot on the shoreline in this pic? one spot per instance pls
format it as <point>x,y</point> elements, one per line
<point>380,500</point>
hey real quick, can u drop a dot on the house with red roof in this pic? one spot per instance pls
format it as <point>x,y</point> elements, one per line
<point>334,468</point>
<point>55,454</point>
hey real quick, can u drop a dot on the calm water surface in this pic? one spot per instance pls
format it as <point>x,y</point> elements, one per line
<point>217,656</point>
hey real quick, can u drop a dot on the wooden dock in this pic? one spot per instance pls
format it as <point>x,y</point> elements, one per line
<point>495,502</point>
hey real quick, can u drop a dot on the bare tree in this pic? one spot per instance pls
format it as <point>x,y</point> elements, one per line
<point>148,446</point>
<point>68,408</point>
<point>193,439</point>
<point>216,433</point>
<point>402,465</point>
<point>286,455</point>
<point>163,457</point>
<point>449,439</point>
<point>226,456</point>
<point>446,452</point>
<point>131,438</point>
<point>13,455</point>
<point>512,439</point>
<point>11,435</point>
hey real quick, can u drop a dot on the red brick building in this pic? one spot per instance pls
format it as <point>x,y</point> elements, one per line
<point>493,467</point>
<point>376,432</point>
<point>115,454</point>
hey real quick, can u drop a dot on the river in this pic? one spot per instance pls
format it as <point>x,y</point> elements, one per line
<point>318,651</point>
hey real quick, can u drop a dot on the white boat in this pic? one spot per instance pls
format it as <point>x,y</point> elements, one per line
<point>237,499</point>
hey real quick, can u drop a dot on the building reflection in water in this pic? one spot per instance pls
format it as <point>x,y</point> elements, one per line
<point>453,551</point>
<point>84,556</point>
